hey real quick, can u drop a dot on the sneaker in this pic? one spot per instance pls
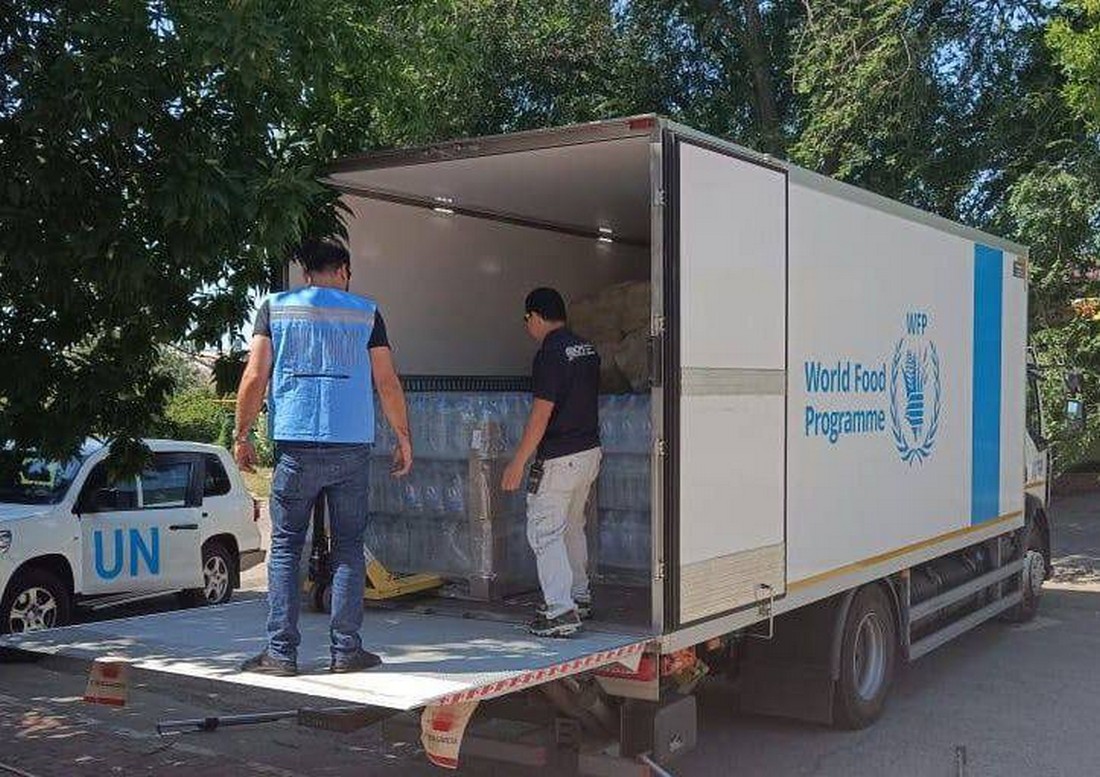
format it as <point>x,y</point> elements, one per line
<point>359,661</point>
<point>584,610</point>
<point>564,625</point>
<point>269,665</point>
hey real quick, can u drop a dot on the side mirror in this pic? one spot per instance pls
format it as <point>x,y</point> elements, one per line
<point>1075,415</point>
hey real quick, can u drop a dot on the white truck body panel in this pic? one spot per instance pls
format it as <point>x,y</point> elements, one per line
<point>856,273</point>
<point>733,277</point>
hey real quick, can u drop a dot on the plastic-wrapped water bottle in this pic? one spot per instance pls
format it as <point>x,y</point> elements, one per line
<point>621,481</point>
<point>412,496</point>
<point>521,409</point>
<point>438,421</point>
<point>454,546</point>
<point>603,484</point>
<point>433,489</point>
<point>454,495</point>
<point>608,539</point>
<point>645,541</point>
<point>645,423</point>
<point>607,411</point>
<point>645,483</point>
<point>627,426</point>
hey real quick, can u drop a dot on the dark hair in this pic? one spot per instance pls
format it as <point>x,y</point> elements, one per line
<point>321,255</point>
<point>547,303</point>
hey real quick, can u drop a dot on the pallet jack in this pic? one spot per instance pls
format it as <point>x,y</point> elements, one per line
<point>381,583</point>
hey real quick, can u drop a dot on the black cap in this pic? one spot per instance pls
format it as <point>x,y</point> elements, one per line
<point>547,303</point>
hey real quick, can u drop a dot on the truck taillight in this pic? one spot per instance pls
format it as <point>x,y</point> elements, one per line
<point>255,510</point>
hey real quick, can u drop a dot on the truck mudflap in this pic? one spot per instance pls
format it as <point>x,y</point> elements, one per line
<point>427,659</point>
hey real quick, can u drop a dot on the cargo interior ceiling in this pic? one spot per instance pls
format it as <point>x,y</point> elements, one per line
<point>449,247</point>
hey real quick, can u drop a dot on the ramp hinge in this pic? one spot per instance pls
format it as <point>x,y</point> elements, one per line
<point>658,327</point>
<point>659,197</point>
<point>660,446</point>
<point>660,575</point>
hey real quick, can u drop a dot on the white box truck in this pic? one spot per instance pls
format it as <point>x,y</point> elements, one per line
<point>847,466</point>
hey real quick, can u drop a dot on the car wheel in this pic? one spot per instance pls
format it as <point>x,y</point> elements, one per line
<point>320,597</point>
<point>218,564</point>
<point>868,655</point>
<point>36,599</point>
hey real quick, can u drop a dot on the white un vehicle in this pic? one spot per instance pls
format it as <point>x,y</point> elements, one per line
<point>71,536</point>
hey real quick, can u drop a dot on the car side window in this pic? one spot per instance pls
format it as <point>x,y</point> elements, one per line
<point>165,483</point>
<point>101,494</point>
<point>216,481</point>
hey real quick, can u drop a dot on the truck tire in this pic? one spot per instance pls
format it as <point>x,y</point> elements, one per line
<point>868,657</point>
<point>1031,582</point>
<point>218,565</point>
<point>36,599</point>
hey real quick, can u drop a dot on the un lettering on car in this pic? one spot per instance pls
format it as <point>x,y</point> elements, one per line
<point>130,550</point>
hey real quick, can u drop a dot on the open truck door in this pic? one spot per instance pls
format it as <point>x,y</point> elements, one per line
<point>726,292</point>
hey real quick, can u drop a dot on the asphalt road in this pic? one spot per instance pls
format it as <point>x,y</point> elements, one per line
<point>1003,700</point>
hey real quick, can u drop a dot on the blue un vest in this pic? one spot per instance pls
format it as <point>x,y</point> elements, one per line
<point>321,376</point>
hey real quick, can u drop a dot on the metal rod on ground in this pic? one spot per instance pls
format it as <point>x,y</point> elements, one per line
<point>15,770</point>
<point>656,768</point>
<point>215,722</point>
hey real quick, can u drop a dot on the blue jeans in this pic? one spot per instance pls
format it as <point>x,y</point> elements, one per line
<point>303,473</point>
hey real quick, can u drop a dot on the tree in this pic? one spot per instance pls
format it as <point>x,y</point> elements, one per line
<point>719,65</point>
<point>1075,39</point>
<point>159,158</point>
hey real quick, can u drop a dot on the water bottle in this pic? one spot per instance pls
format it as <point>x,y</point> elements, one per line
<point>645,423</point>
<point>605,411</point>
<point>645,539</point>
<point>521,409</point>
<point>603,484</point>
<point>646,486</point>
<point>433,489</point>
<point>439,422</point>
<point>454,496</point>
<point>412,498</point>
<point>618,485</point>
<point>629,530</point>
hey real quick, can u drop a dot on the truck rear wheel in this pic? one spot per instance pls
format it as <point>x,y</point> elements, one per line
<point>1031,581</point>
<point>868,657</point>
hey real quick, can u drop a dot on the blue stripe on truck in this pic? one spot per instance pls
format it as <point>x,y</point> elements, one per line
<point>985,484</point>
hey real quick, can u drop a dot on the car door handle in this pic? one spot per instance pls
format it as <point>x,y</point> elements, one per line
<point>183,527</point>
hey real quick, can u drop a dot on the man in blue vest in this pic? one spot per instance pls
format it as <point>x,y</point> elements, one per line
<point>321,348</point>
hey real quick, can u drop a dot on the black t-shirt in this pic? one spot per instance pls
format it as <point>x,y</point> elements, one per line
<point>567,373</point>
<point>378,337</point>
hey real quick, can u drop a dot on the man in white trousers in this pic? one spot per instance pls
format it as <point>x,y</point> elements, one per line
<point>563,433</point>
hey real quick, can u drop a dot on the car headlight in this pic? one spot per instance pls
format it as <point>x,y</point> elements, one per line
<point>5,541</point>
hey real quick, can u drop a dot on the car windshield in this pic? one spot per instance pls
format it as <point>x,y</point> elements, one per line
<point>28,479</point>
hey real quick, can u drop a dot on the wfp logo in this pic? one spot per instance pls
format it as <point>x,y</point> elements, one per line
<point>915,391</point>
